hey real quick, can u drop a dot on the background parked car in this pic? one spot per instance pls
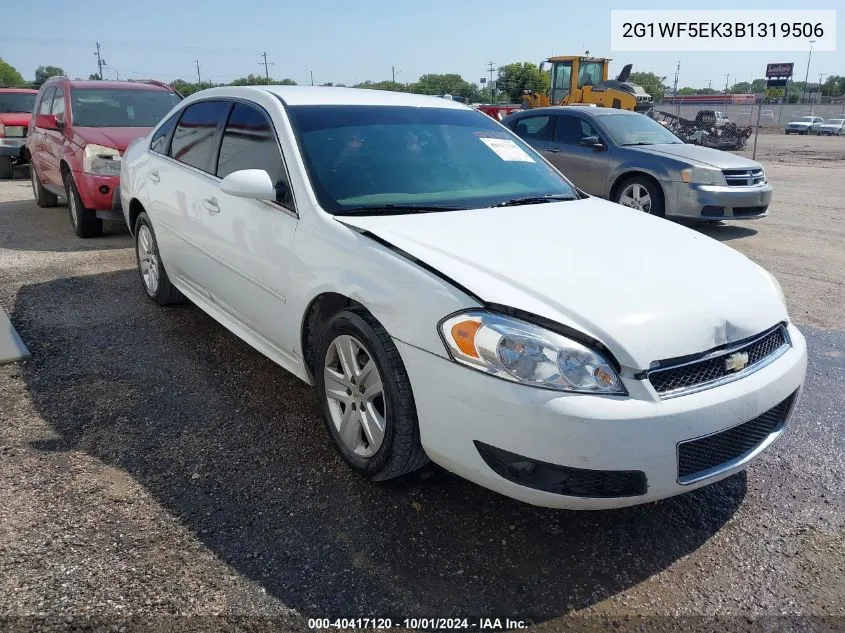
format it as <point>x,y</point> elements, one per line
<point>804,125</point>
<point>15,110</point>
<point>633,160</point>
<point>832,127</point>
<point>78,131</point>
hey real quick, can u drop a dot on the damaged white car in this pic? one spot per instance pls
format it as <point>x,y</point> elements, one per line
<point>454,298</point>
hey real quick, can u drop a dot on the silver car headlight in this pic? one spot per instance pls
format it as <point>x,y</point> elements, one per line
<point>703,176</point>
<point>525,353</point>
<point>98,159</point>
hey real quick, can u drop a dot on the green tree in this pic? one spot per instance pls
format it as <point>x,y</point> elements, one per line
<point>758,85</point>
<point>742,87</point>
<point>382,85</point>
<point>441,84</point>
<point>258,80</point>
<point>686,90</point>
<point>43,73</point>
<point>94,77</point>
<point>834,86</point>
<point>514,79</point>
<point>9,76</point>
<point>187,87</point>
<point>651,83</point>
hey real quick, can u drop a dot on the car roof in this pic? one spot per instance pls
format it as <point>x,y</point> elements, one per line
<point>576,109</point>
<point>109,85</point>
<point>332,95</point>
<point>24,90</point>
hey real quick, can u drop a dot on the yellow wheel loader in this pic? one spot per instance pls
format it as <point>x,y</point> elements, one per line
<point>584,80</point>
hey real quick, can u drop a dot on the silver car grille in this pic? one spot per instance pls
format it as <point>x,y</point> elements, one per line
<point>719,366</point>
<point>743,177</point>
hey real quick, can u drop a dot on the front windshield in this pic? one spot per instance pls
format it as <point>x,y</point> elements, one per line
<point>16,102</point>
<point>114,107</point>
<point>359,157</point>
<point>836,121</point>
<point>636,129</point>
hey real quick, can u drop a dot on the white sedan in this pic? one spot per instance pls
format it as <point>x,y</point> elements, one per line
<point>454,298</point>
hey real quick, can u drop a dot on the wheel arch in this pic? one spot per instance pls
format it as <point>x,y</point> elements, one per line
<point>320,309</point>
<point>135,209</point>
<point>621,178</point>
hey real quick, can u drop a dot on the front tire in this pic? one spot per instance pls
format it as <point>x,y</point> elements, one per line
<point>366,398</point>
<point>641,194</point>
<point>7,170</point>
<point>84,221</point>
<point>154,277</point>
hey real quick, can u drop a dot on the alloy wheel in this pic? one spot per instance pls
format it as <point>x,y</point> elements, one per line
<point>355,395</point>
<point>637,197</point>
<point>148,260</point>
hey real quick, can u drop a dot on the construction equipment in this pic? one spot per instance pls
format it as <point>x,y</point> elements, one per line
<point>579,79</point>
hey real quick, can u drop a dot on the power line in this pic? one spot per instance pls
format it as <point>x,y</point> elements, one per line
<point>265,63</point>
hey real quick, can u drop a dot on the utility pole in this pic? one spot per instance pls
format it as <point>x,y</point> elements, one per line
<point>675,89</point>
<point>266,65</point>
<point>199,79</point>
<point>727,81</point>
<point>312,77</point>
<point>490,66</point>
<point>709,84</point>
<point>100,62</point>
<point>821,92</point>
<point>807,76</point>
<point>393,73</point>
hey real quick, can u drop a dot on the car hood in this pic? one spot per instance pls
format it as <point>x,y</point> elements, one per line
<point>15,118</point>
<point>800,123</point>
<point>645,287</point>
<point>116,137</point>
<point>831,125</point>
<point>698,155</point>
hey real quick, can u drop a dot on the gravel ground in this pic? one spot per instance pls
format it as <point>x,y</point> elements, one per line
<point>157,473</point>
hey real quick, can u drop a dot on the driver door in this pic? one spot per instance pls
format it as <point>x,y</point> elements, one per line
<point>587,167</point>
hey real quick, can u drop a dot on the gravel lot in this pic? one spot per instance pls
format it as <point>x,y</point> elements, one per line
<point>157,472</point>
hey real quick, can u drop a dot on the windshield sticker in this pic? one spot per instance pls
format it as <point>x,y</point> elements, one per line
<point>507,150</point>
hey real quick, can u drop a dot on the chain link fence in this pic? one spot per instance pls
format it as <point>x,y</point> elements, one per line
<point>772,115</point>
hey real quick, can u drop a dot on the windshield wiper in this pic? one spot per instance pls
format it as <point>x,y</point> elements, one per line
<point>398,209</point>
<point>550,197</point>
<point>638,143</point>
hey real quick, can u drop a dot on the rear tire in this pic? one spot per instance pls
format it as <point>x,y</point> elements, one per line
<point>154,277</point>
<point>84,221</point>
<point>7,171</point>
<point>43,198</point>
<point>366,398</point>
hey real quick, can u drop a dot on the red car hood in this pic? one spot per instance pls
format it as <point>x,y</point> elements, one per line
<point>116,137</point>
<point>15,118</point>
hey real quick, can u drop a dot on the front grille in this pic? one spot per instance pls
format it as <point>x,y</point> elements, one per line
<point>743,177</point>
<point>711,368</point>
<point>708,455</point>
<point>562,480</point>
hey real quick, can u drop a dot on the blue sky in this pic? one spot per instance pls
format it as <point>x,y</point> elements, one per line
<point>349,42</point>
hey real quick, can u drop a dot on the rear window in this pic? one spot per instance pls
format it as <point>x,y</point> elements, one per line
<point>104,107</point>
<point>16,102</point>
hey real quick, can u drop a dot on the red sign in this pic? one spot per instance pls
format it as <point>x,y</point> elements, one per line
<point>779,70</point>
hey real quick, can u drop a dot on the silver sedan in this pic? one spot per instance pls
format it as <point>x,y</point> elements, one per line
<point>631,159</point>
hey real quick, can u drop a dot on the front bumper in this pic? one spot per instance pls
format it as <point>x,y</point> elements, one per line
<point>716,202</point>
<point>830,131</point>
<point>13,147</point>
<point>462,411</point>
<point>100,194</point>
<point>797,130</point>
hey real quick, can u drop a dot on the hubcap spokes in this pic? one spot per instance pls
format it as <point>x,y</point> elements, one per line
<point>147,260</point>
<point>355,395</point>
<point>636,196</point>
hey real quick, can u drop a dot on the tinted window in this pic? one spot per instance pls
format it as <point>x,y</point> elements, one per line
<point>16,102</point>
<point>534,127</point>
<point>358,157</point>
<point>193,141</point>
<point>571,130</point>
<point>116,107</point>
<point>250,143</point>
<point>46,101</point>
<point>158,143</point>
<point>58,107</point>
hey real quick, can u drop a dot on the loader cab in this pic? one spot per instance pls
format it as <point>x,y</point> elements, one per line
<point>570,74</point>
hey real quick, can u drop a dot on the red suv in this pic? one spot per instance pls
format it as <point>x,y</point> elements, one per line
<point>16,105</point>
<point>77,135</point>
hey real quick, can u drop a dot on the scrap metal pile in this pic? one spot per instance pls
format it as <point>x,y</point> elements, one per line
<point>704,131</point>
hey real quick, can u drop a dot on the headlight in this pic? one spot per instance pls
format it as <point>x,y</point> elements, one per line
<point>703,176</point>
<point>525,353</point>
<point>97,159</point>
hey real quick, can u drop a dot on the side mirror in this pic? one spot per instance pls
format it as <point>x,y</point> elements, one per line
<point>592,141</point>
<point>254,184</point>
<point>47,122</point>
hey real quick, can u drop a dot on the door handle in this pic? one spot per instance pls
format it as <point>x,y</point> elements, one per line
<point>211,205</point>
<point>153,175</point>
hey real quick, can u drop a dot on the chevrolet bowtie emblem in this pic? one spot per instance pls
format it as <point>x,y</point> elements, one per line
<point>736,361</point>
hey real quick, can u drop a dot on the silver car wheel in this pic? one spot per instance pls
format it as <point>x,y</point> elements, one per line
<point>355,395</point>
<point>148,260</point>
<point>637,197</point>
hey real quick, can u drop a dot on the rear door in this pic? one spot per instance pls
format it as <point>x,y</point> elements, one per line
<point>53,143</point>
<point>37,136</point>
<point>180,177</point>
<point>536,129</point>
<point>585,166</point>
<point>249,241</point>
